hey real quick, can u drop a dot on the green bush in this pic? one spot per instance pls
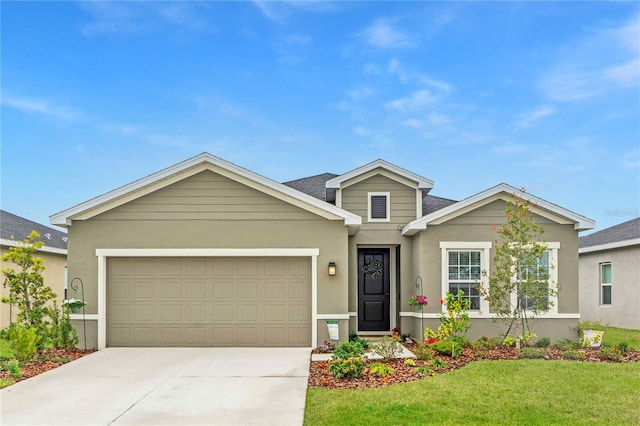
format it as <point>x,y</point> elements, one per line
<point>508,341</point>
<point>486,343</point>
<point>409,362</point>
<point>6,382</point>
<point>424,370</point>
<point>534,353</point>
<point>381,370</point>
<point>447,347</point>
<point>13,367</point>
<point>423,351</point>
<point>461,340</point>
<point>573,354</point>
<point>611,353</point>
<point>543,342</point>
<point>566,344</point>
<point>387,348</point>
<point>357,339</point>
<point>347,368</point>
<point>346,350</point>
<point>438,363</point>
<point>24,340</point>
<point>6,350</point>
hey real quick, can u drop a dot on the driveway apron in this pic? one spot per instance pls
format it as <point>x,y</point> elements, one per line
<point>166,386</point>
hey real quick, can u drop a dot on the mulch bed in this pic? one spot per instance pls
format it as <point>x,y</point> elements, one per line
<point>319,375</point>
<point>49,359</point>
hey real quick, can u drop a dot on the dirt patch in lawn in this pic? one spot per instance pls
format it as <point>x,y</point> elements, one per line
<point>319,375</point>
<point>48,360</point>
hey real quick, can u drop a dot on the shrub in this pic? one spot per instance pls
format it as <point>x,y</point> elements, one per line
<point>387,348</point>
<point>347,368</point>
<point>624,347</point>
<point>23,340</point>
<point>543,342</point>
<point>566,344</point>
<point>424,370</point>
<point>486,343</point>
<point>447,347</point>
<point>423,351</point>
<point>357,339</point>
<point>461,340</point>
<point>438,363</point>
<point>508,341</point>
<point>346,350</point>
<point>381,370</point>
<point>534,353</point>
<point>573,354</point>
<point>526,338</point>
<point>13,367</point>
<point>409,362</point>
<point>611,353</point>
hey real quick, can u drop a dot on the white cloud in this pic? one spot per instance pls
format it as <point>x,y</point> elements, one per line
<point>510,148</point>
<point>383,35</point>
<point>527,119</point>
<point>39,106</point>
<point>432,120</point>
<point>279,11</point>
<point>606,60</point>
<point>360,93</point>
<point>416,100</point>
<point>361,131</point>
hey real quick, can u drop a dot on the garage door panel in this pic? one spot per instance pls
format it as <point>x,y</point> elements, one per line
<point>209,302</point>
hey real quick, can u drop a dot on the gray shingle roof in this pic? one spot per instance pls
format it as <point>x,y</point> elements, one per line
<point>431,203</point>
<point>315,186</point>
<point>17,228</point>
<point>312,185</point>
<point>624,231</point>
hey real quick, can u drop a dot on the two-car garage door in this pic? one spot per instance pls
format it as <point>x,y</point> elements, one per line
<point>211,301</point>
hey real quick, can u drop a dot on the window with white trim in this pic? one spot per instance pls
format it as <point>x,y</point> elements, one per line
<point>547,270</point>
<point>462,266</point>
<point>379,207</point>
<point>605,283</point>
<point>538,272</point>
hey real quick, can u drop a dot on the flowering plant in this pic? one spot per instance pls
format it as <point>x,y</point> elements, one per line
<point>74,303</point>
<point>326,346</point>
<point>417,300</point>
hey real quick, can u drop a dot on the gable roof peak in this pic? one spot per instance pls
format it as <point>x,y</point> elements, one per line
<point>422,182</point>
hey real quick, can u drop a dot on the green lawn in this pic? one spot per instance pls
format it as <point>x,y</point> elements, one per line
<point>613,335</point>
<point>491,392</point>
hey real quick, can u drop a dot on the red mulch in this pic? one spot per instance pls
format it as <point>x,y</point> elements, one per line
<point>49,359</point>
<point>319,375</point>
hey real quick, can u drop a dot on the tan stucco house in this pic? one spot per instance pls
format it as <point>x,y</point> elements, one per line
<point>13,230</point>
<point>207,253</point>
<point>610,275</point>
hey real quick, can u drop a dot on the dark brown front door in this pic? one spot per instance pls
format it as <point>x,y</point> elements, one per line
<point>373,289</point>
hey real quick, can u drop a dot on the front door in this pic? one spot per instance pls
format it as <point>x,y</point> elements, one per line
<point>373,289</point>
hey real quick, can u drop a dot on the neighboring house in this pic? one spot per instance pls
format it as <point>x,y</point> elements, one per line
<point>610,275</point>
<point>14,229</point>
<point>207,253</point>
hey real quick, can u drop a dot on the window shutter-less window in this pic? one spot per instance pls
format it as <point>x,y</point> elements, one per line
<point>378,207</point>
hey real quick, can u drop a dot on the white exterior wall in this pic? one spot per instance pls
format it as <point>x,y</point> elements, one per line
<point>624,310</point>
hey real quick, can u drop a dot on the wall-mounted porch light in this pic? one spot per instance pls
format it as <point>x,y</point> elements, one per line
<point>332,269</point>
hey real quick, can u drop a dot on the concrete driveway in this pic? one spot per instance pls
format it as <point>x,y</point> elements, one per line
<point>166,386</point>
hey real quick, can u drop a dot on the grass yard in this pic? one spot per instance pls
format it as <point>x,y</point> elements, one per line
<point>614,335</point>
<point>491,392</point>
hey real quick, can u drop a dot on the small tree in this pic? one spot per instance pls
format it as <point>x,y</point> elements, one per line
<point>33,298</point>
<point>519,284</point>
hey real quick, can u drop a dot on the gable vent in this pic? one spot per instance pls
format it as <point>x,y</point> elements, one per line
<point>378,206</point>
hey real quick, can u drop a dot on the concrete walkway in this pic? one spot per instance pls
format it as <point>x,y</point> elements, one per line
<point>166,386</point>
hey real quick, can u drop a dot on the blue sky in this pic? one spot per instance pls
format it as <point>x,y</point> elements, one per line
<point>544,96</point>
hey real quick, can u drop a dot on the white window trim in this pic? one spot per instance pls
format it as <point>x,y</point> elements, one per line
<point>605,284</point>
<point>552,248</point>
<point>371,194</point>
<point>104,254</point>
<point>485,259</point>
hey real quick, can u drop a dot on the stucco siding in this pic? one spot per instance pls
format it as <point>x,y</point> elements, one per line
<point>53,277</point>
<point>625,287</point>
